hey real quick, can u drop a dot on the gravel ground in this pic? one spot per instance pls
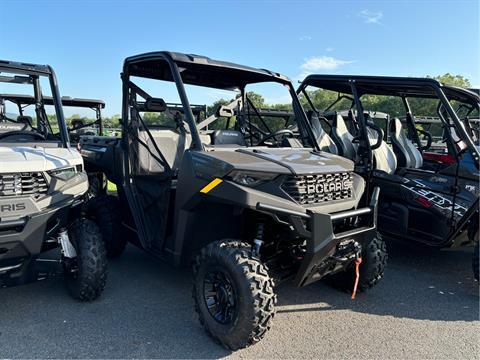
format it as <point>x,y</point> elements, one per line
<point>426,307</point>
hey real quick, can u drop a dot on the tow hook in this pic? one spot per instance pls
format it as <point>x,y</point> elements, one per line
<point>67,248</point>
<point>258,241</point>
<point>358,261</point>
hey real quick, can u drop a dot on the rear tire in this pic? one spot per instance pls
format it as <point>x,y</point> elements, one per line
<point>239,293</point>
<point>372,268</point>
<point>105,211</point>
<point>86,274</point>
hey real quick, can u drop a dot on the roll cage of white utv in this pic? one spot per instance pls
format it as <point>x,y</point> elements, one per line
<point>22,101</point>
<point>29,74</point>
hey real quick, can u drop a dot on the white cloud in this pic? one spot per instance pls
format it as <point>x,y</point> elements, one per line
<point>320,64</point>
<point>305,38</point>
<point>317,63</point>
<point>371,17</point>
<point>329,49</point>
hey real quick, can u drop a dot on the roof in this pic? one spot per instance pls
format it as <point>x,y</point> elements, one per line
<point>388,85</point>
<point>24,68</point>
<point>198,70</point>
<point>48,100</point>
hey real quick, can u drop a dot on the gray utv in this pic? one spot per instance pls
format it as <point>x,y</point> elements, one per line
<point>42,187</point>
<point>246,198</point>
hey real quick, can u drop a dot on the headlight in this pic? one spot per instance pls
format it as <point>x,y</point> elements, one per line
<point>63,174</point>
<point>250,178</point>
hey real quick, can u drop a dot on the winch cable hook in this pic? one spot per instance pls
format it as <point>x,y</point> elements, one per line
<point>358,261</point>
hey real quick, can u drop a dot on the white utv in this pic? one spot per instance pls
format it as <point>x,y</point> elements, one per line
<point>42,187</point>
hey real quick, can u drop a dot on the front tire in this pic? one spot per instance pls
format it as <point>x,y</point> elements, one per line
<point>233,294</point>
<point>372,268</point>
<point>105,210</point>
<point>86,274</point>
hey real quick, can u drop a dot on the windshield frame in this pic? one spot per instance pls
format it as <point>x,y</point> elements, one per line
<point>177,64</point>
<point>29,74</point>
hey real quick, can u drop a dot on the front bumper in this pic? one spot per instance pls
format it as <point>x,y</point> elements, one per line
<point>322,242</point>
<point>22,239</point>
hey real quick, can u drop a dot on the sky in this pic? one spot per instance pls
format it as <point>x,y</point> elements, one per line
<point>87,41</point>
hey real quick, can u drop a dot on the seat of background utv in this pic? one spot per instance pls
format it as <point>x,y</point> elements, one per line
<point>408,156</point>
<point>18,126</point>
<point>323,139</point>
<point>342,138</point>
<point>384,158</point>
<point>228,137</point>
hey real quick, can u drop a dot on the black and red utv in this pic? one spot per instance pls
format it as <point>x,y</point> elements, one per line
<point>429,194</point>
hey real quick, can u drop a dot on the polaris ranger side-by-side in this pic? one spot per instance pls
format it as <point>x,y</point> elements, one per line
<point>244,195</point>
<point>429,194</point>
<point>42,183</point>
<point>80,126</point>
<point>23,104</point>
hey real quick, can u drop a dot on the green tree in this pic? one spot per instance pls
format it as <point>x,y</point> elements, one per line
<point>449,79</point>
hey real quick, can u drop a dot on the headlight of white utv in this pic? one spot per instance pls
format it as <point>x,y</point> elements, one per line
<point>250,178</point>
<point>64,174</point>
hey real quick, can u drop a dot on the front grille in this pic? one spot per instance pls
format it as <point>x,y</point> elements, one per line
<point>318,188</point>
<point>18,184</point>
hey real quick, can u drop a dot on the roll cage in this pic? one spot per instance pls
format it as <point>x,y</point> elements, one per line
<point>22,101</point>
<point>354,87</point>
<point>29,74</point>
<point>201,71</point>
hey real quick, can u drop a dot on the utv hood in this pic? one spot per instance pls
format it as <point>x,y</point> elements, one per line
<point>293,161</point>
<point>32,159</point>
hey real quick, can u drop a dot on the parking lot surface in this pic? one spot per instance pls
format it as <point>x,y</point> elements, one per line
<point>426,307</point>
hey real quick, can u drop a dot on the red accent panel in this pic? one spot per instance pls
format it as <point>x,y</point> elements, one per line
<point>424,202</point>
<point>439,158</point>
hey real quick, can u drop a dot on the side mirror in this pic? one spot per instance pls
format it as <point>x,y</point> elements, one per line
<point>223,111</point>
<point>155,105</point>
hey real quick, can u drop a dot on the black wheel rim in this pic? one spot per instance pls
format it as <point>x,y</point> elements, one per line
<point>219,295</point>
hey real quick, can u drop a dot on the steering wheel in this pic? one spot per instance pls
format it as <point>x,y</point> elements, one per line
<point>20,133</point>
<point>379,132</point>
<point>284,132</point>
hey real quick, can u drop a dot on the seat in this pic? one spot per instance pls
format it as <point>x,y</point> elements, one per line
<point>78,123</point>
<point>228,137</point>
<point>408,156</point>
<point>323,139</point>
<point>26,120</point>
<point>8,127</point>
<point>343,138</point>
<point>169,142</point>
<point>384,158</point>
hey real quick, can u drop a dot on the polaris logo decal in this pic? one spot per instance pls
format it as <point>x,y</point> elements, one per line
<point>12,207</point>
<point>326,187</point>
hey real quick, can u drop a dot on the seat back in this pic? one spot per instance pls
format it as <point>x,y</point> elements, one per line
<point>342,138</point>
<point>166,141</point>
<point>384,158</point>
<point>26,120</point>
<point>9,126</point>
<point>407,154</point>
<point>228,137</point>
<point>323,139</point>
<point>171,143</point>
